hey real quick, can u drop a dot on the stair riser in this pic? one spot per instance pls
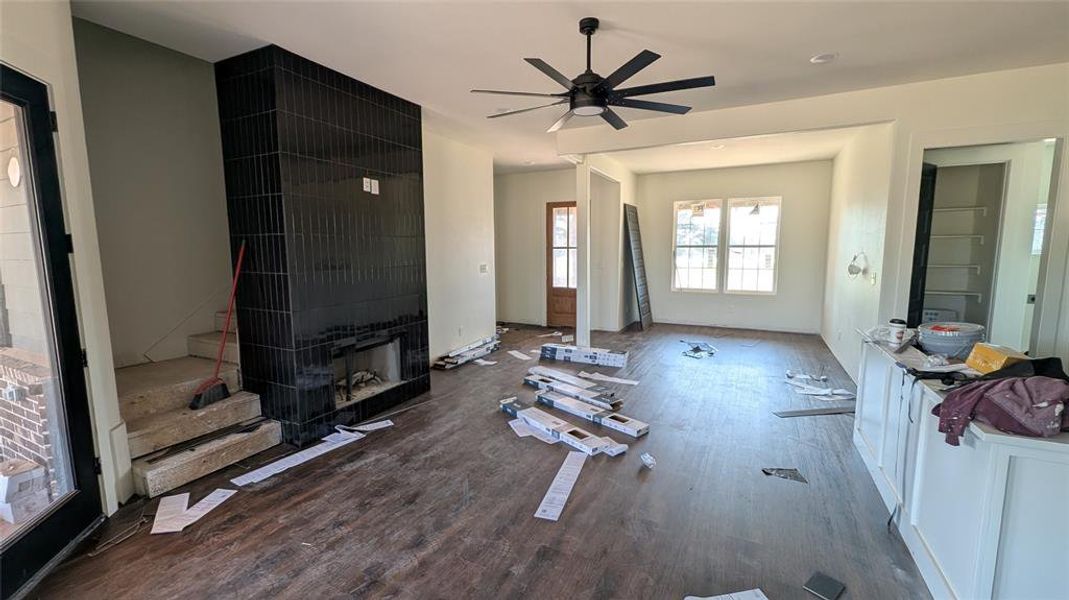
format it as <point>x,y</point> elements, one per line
<point>163,432</point>
<point>208,349</point>
<point>220,322</point>
<point>172,397</point>
<point>157,478</point>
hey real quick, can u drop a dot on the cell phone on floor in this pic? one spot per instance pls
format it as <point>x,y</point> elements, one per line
<point>822,586</point>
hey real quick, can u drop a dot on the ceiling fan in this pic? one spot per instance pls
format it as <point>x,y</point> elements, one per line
<point>591,95</point>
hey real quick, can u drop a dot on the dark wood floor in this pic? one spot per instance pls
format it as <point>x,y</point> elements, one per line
<point>441,505</point>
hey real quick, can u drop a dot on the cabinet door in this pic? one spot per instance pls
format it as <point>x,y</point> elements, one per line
<point>872,402</point>
<point>896,422</point>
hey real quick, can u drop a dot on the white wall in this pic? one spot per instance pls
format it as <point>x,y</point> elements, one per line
<point>520,233</point>
<point>861,179</point>
<point>36,37</point>
<point>796,306</point>
<point>458,204</point>
<point>155,155</point>
<point>1001,106</point>
<point>613,305</point>
<point>1028,184</point>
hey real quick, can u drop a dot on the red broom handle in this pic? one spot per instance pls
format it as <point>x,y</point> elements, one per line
<point>229,311</point>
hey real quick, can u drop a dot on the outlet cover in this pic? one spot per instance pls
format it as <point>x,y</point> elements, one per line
<point>484,268</point>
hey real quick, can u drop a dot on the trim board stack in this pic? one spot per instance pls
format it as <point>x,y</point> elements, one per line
<point>541,382</point>
<point>594,414</point>
<point>468,353</point>
<point>581,354</point>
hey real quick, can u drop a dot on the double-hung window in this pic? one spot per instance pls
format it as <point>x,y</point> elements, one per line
<point>749,263</point>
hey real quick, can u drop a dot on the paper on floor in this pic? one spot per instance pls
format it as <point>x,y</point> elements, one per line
<point>520,428</point>
<point>366,427</point>
<point>554,334</point>
<point>754,594</point>
<point>332,441</point>
<point>812,390</point>
<point>600,377</point>
<point>557,495</point>
<point>519,355</point>
<point>169,513</point>
<point>567,339</point>
<point>484,363</point>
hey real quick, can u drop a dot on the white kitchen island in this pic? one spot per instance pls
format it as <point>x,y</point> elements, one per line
<point>986,519</point>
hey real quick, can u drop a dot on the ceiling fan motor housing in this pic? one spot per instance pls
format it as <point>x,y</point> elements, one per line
<point>588,25</point>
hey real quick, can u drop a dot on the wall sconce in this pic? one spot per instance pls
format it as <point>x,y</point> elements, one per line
<point>858,265</point>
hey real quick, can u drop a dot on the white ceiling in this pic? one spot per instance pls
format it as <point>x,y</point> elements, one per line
<point>737,152</point>
<point>432,53</point>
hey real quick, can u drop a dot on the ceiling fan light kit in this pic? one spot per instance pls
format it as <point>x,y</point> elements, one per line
<point>591,95</point>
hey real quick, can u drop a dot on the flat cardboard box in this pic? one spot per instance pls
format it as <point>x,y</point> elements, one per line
<point>987,358</point>
<point>570,379</point>
<point>547,383</point>
<point>576,437</point>
<point>582,354</point>
<point>605,418</point>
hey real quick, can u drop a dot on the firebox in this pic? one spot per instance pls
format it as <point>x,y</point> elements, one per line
<point>364,370</point>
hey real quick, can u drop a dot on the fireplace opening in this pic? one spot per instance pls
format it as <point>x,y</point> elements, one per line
<point>363,371</point>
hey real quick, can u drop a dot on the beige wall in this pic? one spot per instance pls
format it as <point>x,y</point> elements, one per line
<point>155,155</point>
<point>805,188</point>
<point>36,38</point>
<point>458,197</point>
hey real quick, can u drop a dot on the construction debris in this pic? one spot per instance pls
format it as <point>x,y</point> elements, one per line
<point>812,390</point>
<point>484,363</point>
<point>572,379</point>
<point>803,376</point>
<point>567,339</point>
<point>519,355</point>
<point>335,440</point>
<point>581,354</point>
<point>648,460</point>
<point>699,349</point>
<point>540,420</point>
<point>368,427</point>
<point>172,516</point>
<point>600,377</point>
<point>791,474</point>
<point>557,495</point>
<point>598,399</point>
<point>605,418</point>
<point>552,334</point>
<point>824,587</point>
<point>467,353</point>
<point>811,412</point>
<point>754,594</point>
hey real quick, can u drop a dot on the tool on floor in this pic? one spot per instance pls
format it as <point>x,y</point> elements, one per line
<point>214,389</point>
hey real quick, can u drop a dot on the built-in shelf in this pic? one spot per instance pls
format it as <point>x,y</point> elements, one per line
<point>980,209</point>
<point>969,236</point>
<point>963,293</point>
<point>968,267</point>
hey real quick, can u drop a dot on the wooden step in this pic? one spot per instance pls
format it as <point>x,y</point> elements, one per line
<point>153,388</point>
<point>166,473</point>
<point>206,345</point>
<point>220,321</point>
<point>157,431</point>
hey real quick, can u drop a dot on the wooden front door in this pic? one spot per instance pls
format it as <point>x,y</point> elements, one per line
<point>561,262</point>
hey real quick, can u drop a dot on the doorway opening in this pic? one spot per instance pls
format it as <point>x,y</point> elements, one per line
<point>562,263</point>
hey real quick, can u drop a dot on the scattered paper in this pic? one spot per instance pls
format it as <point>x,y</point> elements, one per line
<point>206,505</point>
<point>557,495</point>
<point>169,514</point>
<point>519,355</point>
<point>564,339</point>
<point>648,460</point>
<point>366,427</point>
<point>536,351</point>
<point>613,448</point>
<point>802,376</point>
<point>812,390</point>
<point>554,334</point>
<point>699,349</point>
<point>600,377</point>
<point>791,474</point>
<point>754,594</point>
<point>484,363</point>
<point>520,428</point>
<point>332,441</point>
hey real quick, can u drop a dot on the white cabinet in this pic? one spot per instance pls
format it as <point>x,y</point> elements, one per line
<point>984,519</point>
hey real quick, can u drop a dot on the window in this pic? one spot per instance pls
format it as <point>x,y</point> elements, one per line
<point>753,230</point>
<point>565,248</point>
<point>697,236</point>
<point>1039,223</point>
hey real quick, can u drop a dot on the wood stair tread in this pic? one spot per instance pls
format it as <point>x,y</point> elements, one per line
<point>157,431</point>
<point>157,387</point>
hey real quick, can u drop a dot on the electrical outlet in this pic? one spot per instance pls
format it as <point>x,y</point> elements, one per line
<point>872,279</point>
<point>484,268</point>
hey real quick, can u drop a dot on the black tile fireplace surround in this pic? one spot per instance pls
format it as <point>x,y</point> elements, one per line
<point>329,267</point>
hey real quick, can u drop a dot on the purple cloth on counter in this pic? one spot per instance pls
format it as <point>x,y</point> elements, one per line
<point>1033,406</point>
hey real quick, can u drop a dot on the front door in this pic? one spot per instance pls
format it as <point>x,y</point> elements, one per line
<point>49,493</point>
<point>561,262</point>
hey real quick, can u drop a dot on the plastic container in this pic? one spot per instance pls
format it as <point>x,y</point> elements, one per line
<point>955,340</point>
<point>896,331</point>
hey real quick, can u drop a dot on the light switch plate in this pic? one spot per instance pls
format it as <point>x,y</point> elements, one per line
<point>375,187</point>
<point>367,184</point>
<point>484,268</point>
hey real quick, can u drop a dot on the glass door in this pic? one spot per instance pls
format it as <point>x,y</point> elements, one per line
<point>49,493</point>
<point>562,253</point>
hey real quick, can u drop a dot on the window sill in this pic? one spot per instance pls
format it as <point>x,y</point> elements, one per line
<point>749,293</point>
<point>693,291</point>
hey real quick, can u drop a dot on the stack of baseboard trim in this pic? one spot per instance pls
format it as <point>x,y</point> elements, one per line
<point>468,353</point>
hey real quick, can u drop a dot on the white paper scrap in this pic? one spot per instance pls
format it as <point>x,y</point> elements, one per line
<point>206,505</point>
<point>554,334</point>
<point>484,363</point>
<point>169,514</point>
<point>812,390</point>
<point>754,594</point>
<point>542,436</point>
<point>519,355</point>
<point>558,492</point>
<point>520,428</point>
<point>366,427</point>
<point>332,441</point>
<point>600,377</point>
<point>564,339</point>
<point>614,448</point>
<point>648,460</point>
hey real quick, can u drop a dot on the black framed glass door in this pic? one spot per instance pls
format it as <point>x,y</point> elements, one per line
<point>49,492</point>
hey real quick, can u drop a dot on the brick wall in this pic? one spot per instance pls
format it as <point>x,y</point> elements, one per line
<point>24,418</point>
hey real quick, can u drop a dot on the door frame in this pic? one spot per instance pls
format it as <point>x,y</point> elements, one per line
<point>549,256</point>
<point>50,537</point>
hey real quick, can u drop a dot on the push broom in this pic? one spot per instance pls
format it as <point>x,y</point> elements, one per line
<point>214,389</point>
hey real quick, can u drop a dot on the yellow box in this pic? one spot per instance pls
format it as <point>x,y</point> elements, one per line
<point>986,358</point>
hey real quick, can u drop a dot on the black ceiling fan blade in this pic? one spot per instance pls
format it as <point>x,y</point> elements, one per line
<point>628,69</point>
<point>647,105</point>
<point>561,122</point>
<point>613,119</point>
<point>667,86</point>
<point>550,72</point>
<point>508,93</point>
<point>523,110</point>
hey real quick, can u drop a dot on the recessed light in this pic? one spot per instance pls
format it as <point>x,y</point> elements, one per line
<point>823,59</point>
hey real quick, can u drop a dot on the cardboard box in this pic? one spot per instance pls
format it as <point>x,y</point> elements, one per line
<point>24,507</point>
<point>576,437</point>
<point>20,477</point>
<point>987,358</point>
<point>575,380</point>
<point>582,354</point>
<point>605,418</point>
<point>547,383</point>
